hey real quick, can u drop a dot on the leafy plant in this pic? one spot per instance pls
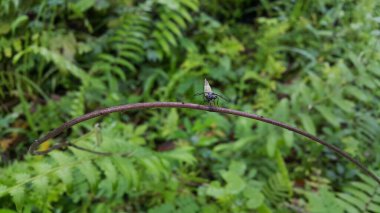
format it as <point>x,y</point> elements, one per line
<point>311,64</point>
<point>33,183</point>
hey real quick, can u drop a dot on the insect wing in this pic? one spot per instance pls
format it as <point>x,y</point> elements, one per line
<point>207,88</point>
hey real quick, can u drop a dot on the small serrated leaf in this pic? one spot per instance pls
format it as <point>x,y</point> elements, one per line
<point>41,185</point>
<point>65,175</point>
<point>3,190</point>
<point>18,195</point>
<point>21,177</point>
<point>90,172</point>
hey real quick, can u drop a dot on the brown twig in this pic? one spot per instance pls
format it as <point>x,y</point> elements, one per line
<point>138,106</point>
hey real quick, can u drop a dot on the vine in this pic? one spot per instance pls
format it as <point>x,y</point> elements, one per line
<point>127,107</point>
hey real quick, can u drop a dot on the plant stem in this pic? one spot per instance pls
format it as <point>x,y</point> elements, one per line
<point>138,106</point>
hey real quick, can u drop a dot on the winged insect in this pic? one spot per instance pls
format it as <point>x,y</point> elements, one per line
<point>209,96</point>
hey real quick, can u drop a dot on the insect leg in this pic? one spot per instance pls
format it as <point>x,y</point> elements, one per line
<point>201,93</point>
<point>204,100</point>
<point>222,97</point>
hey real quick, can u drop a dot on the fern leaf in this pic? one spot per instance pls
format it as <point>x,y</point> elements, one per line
<point>65,175</point>
<point>169,37</point>
<point>130,55</point>
<point>126,64</point>
<point>63,160</point>
<point>171,26</point>
<point>323,201</point>
<point>107,185</point>
<point>182,154</point>
<point>185,14</point>
<point>353,200</point>
<point>191,4</point>
<point>3,190</point>
<point>131,47</point>
<point>127,170</point>
<point>41,185</point>
<point>167,207</point>
<point>161,41</point>
<point>90,172</point>
<point>119,72</point>
<point>153,167</point>
<point>18,196</point>
<point>176,18</point>
<point>361,196</point>
<point>276,189</point>
<point>373,207</point>
<point>21,177</point>
<point>61,62</point>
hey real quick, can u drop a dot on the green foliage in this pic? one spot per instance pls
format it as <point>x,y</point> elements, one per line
<point>323,201</point>
<point>131,170</point>
<point>238,194</point>
<point>311,64</point>
<point>361,196</point>
<point>357,196</point>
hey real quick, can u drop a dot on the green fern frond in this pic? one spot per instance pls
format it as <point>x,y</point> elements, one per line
<point>173,20</point>
<point>184,204</point>
<point>8,83</point>
<point>50,56</point>
<point>278,188</point>
<point>77,107</point>
<point>323,201</point>
<point>130,169</point>
<point>361,196</point>
<point>127,43</point>
<point>18,196</point>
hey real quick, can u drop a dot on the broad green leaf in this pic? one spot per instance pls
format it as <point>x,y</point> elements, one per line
<point>83,5</point>
<point>235,184</point>
<point>215,190</point>
<point>344,104</point>
<point>255,202</point>
<point>288,138</point>
<point>308,124</point>
<point>5,27</point>
<point>19,20</point>
<point>329,115</point>
<point>141,129</point>
<point>238,167</point>
<point>271,144</point>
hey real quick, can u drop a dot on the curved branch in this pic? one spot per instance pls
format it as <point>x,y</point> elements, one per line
<point>135,106</point>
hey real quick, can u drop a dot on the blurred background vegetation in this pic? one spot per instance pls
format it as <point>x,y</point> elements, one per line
<point>311,64</point>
